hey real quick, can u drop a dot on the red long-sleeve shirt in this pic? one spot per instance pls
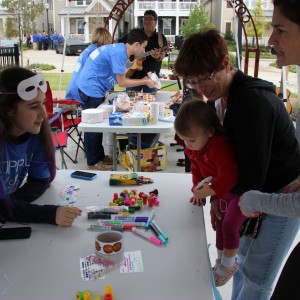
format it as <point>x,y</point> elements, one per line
<point>216,159</point>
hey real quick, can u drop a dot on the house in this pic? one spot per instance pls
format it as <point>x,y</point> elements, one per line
<point>80,17</point>
<point>223,15</point>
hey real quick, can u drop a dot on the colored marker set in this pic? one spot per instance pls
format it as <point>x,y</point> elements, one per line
<point>87,295</point>
<point>160,239</point>
<point>135,201</point>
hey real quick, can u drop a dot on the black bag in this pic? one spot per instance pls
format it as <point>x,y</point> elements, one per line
<point>251,227</point>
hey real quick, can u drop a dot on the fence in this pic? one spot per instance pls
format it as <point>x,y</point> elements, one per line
<point>9,56</point>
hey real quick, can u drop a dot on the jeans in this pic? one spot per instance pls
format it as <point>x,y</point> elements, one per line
<point>139,88</point>
<point>260,259</point>
<point>92,141</point>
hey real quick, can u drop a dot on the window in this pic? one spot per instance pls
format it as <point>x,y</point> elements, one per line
<point>83,2</point>
<point>167,26</point>
<point>228,26</point>
<point>80,26</point>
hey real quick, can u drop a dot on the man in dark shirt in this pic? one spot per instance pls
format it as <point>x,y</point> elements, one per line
<point>153,60</point>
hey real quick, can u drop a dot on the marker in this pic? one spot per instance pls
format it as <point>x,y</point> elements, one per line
<point>147,236</point>
<point>161,232</point>
<point>205,180</point>
<point>136,224</point>
<point>130,219</point>
<point>102,227</point>
<point>156,231</point>
<point>98,215</point>
<point>150,219</point>
<point>122,208</point>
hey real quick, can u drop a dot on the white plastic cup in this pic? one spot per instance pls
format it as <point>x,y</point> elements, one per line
<point>161,115</point>
<point>154,112</point>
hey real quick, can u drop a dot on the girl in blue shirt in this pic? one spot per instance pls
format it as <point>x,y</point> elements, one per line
<point>27,157</point>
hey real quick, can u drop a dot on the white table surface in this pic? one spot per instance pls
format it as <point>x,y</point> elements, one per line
<point>46,266</point>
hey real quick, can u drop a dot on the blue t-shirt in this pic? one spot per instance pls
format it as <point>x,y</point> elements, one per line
<point>72,90</point>
<point>99,72</point>
<point>35,37</point>
<point>19,160</point>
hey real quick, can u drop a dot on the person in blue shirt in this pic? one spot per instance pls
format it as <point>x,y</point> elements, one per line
<point>55,39</point>
<point>60,38</point>
<point>27,153</point>
<point>35,39</point>
<point>40,41</point>
<point>104,68</point>
<point>100,37</point>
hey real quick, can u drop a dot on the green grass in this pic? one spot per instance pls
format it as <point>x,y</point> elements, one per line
<point>54,79</point>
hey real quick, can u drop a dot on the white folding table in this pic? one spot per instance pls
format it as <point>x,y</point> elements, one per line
<point>46,266</point>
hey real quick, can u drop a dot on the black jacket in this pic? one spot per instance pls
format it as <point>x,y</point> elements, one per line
<point>263,134</point>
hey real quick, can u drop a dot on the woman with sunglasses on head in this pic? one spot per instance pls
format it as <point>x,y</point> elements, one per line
<point>100,37</point>
<point>286,42</point>
<point>27,154</point>
<point>267,153</point>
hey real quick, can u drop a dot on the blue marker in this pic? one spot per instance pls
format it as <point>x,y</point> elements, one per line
<point>131,219</point>
<point>150,219</point>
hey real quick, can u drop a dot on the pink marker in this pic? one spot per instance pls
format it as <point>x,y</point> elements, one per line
<point>147,236</point>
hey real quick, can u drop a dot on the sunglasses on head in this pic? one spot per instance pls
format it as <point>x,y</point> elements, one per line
<point>28,89</point>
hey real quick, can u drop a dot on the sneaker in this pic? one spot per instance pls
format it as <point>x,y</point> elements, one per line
<point>100,167</point>
<point>217,263</point>
<point>229,272</point>
<point>107,160</point>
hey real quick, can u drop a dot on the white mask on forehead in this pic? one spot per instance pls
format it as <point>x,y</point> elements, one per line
<point>28,89</point>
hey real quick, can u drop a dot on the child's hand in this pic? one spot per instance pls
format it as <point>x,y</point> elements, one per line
<point>65,215</point>
<point>204,191</point>
<point>198,201</point>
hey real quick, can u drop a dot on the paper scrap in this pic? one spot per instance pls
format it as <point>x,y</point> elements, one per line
<point>132,262</point>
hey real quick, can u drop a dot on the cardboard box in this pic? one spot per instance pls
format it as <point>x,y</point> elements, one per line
<point>152,159</point>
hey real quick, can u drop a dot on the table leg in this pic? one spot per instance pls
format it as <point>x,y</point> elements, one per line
<point>115,141</point>
<point>138,145</point>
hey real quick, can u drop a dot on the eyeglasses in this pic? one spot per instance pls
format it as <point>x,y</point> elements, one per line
<point>193,85</point>
<point>28,89</point>
<point>148,19</point>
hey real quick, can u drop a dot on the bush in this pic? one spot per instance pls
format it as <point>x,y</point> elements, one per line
<point>43,67</point>
<point>228,36</point>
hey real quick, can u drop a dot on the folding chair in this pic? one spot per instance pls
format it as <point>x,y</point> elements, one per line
<point>70,121</point>
<point>59,138</point>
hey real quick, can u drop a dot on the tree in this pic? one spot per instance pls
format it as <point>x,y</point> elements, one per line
<point>198,19</point>
<point>22,13</point>
<point>259,21</point>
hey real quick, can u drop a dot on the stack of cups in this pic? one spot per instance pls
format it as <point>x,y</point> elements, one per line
<point>154,112</point>
<point>161,111</point>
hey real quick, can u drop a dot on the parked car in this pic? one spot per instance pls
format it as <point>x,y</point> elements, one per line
<point>73,46</point>
<point>8,43</point>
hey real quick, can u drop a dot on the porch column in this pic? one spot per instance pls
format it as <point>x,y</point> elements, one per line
<point>177,26</point>
<point>86,29</point>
